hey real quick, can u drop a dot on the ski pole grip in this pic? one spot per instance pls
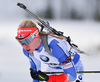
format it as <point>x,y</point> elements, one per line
<point>21,5</point>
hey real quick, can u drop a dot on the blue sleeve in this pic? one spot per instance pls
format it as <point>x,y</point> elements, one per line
<point>58,52</point>
<point>33,66</point>
<point>25,52</point>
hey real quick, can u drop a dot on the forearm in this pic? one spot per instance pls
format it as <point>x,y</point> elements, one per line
<point>70,70</point>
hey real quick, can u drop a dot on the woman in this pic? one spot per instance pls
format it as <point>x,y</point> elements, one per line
<point>62,58</point>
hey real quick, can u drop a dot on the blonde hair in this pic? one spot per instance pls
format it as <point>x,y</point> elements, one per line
<point>60,37</point>
<point>27,24</point>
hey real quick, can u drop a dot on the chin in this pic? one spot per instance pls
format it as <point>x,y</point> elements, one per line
<point>30,51</point>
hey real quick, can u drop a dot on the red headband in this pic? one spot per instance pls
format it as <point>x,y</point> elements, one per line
<point>24,32</point>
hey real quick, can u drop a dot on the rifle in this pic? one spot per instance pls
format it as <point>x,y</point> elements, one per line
<point>46,26</point>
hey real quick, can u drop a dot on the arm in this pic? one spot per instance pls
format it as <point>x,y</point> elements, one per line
<point>35,68</point>
<point>61,55</point>
<point>32,63</point>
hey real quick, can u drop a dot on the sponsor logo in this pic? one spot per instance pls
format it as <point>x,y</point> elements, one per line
<point>24,31</point>
<point>21,36</point>
<point>44,58</point>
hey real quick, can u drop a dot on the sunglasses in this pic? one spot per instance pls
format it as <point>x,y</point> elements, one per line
<point>27,40</point>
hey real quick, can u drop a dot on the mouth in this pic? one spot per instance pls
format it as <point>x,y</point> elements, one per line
<point>28,50</point>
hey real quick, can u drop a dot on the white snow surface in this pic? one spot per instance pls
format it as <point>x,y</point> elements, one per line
<point>14,66</point>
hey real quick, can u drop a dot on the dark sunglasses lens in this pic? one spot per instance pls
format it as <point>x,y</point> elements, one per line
<point>26,41</point>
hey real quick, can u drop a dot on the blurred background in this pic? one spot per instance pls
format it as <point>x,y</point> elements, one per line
<point>79,19</point>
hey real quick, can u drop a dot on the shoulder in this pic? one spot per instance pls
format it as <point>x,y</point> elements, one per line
<point>25,52</point>
<point>53,39</point>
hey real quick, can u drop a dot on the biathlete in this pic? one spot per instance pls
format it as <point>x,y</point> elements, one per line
<point>61,59</point>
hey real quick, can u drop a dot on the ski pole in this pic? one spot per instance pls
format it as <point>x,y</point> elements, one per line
<point>77,72</point>
<point>88,72</point>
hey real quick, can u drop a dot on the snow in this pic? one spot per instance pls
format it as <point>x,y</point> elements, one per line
<point>14,66</point>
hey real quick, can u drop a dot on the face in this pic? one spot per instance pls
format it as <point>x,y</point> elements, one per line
<point>33,45</point>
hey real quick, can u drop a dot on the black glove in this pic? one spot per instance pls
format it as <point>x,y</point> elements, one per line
<point>38,75</point>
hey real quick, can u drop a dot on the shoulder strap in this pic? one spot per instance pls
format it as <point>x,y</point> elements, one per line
<point>45,44</point>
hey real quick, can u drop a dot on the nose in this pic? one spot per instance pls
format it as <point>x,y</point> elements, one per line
<point>24,45</point>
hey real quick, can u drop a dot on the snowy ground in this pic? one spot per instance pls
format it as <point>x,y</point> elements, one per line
<point>14,66</point>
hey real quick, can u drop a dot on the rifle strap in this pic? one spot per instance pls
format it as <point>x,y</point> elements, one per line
<point>45,44</point>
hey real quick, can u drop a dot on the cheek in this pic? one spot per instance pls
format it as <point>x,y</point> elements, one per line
<point>32,45</point>
<point>24,46</point>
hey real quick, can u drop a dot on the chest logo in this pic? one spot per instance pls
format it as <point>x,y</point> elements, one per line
<point>44,58</point>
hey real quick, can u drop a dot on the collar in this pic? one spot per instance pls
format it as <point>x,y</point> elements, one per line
<point>40,47</point>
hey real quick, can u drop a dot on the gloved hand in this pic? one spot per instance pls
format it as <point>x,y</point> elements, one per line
<point>38,75</point>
